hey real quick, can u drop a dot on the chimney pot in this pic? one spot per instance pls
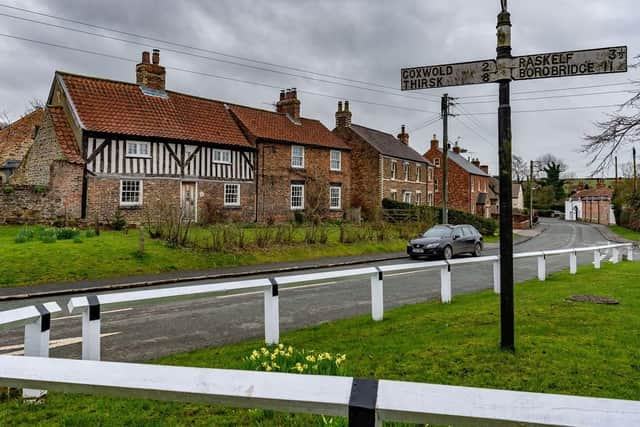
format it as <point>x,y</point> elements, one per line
<point>456,149</point>
<point>339,106</point>
<point>156,56</point>
<point>151,75</point>
<point>145,57</point>
<point>289,104</point>
<point>403,136</point>
<point>485,168</point>
<point>343,116</point>
<point>434,142</point>
<point>346,105</point>
<point>281,94</point>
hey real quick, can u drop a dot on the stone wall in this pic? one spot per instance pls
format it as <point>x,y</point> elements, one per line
<point>275,176</point>
<point>60,201</point>
<point>160,194</point>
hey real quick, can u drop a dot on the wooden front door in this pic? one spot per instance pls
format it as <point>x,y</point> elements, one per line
<point>189,200</point>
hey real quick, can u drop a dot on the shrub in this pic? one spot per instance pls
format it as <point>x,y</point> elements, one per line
<point>264,236</point>
<point>284,234</point>
<point>323,235</point>
<point>48,235</point>
<point>24,235</point>
<point>67,233</point>
<point>77,239</point>
<point>311,235</point>
<point>117,221</point>
<point>8,189</point>
<point>90,234</point>
<point>281,358</point>
<point>39,189</point>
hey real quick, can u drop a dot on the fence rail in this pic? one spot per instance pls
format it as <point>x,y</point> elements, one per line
<point>365,402</point>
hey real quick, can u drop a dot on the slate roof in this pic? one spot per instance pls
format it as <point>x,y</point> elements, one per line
<point>64,135</point>
<point>280,127</point>
<point>464,163</point>
<point>117,107</point>
<point>16,139</point>
<point>387,144</point>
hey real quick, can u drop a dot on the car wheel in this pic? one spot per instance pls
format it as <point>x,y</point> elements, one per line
<point>477,250</point>
<point>447,252</point>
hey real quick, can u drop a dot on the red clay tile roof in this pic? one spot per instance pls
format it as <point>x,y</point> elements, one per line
<point>64,135</point>
<point>121,108</point>
<point>16,139</point>
<point>279,127</point>
<point>594,192</point>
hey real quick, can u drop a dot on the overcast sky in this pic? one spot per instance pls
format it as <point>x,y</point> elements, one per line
<point>361,40</point>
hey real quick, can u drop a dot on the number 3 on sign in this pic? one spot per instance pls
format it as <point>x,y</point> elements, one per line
<point>614,53</point>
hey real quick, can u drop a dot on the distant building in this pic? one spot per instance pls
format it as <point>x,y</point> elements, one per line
<point>468,180</point>
<point>591,205</point>
<point>517,196</point>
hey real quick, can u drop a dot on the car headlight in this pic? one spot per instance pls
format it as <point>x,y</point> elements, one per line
<point>432,245</point>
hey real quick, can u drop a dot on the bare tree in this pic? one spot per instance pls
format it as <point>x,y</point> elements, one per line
<point>626,170</point>
<point>519,168</point>
<point>4,119</point>
<point>33,105</point>
<point>620,129</point>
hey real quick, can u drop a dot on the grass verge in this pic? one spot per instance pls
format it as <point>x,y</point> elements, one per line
<point>625,232</point>
<point>115,254</point>
<point>562,347</point>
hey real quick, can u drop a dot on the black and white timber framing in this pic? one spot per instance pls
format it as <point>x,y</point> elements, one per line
<point>108,157</point>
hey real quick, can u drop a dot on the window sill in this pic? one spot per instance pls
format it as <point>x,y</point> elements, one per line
<point>232,206</point>
<point>136,156</point>
<point>131,207</point>
<point>297,209</point>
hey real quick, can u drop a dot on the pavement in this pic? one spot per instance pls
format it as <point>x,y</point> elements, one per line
<point>142,332</point>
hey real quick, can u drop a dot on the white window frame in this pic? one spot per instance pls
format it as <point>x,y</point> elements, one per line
<point>429,174</point>
<point>136,152</point>
<point>140,193</point>
<point>394,169</point>
<point>331,189</point>
<point>473,182</point>
<point>436,187</point>
<point>405,166</point>
<point>237,202</point>
<point>418,197</point>
<point>338,160</point>
<point>436,162</point>
<point>219,156</point>
<point>418,173</point>
<point>394,195</point>
<point>293,157</point>
<point>404,197</point>
<point>296,208</point>
<point>429,199</point>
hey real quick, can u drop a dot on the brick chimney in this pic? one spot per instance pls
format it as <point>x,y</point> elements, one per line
<point>343,117</point>
<point>476,162</point>
<point>434,142</point>
<point>456,148</point>
<point>485,169</point>
<point>151,74</point>
<point>403,136</point>
<point>600,183</point>
<point>289,104</point>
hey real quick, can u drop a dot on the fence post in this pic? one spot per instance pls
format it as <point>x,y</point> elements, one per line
<point>630,253</point>
<point>91,329</point>
<point>596,259</point>
<point>271,313</point>
<point>542,267</point>
<point>36,344</point>
<point>445,283</point>
<point>615,255</point>
<point>573,263</point>
<point>496,277</point>
<point>377,293</point>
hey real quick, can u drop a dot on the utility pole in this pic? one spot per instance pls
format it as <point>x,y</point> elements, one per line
<point>503,61</point>
<point>444,110</point>
<point>635,172</point>
<point>531,194</point>
<point>615,159</point>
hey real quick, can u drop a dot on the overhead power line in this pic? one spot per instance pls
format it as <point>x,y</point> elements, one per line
<point>551,97</point>
<point>523,92</point>
<point>185,46</point>
<point>216,76</point>
<point>542,110</point>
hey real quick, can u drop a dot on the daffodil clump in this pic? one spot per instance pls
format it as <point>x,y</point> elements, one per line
<point>283,358</point>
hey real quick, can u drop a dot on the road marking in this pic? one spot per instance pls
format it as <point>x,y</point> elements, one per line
<point>54,343</point>
<point>281,290</point>
<point>80,315</point>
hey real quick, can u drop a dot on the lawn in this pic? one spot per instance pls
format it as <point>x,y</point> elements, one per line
<point>115,254</point>
<point>625,232</point>
<point>562,347</point>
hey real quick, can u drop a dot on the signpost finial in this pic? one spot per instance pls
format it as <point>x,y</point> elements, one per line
<point>503,3</point>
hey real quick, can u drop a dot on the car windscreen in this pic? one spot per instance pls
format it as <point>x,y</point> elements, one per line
<point>438,232</point>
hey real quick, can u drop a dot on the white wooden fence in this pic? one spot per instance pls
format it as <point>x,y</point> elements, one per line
<point>367,403</point>
<point>92,305</point>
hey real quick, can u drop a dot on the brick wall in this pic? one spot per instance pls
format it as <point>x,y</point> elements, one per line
<point>60,200</point>
<point>275,175</point>
<point>458,179</point>
<point>103,200</point>
<point>596,211</point>
<point>401,185</point>
<point>365,173</point>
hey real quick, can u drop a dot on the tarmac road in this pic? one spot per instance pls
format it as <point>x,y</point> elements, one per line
<point>149,331</point>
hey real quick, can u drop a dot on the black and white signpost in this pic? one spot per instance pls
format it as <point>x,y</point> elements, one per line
<point>503,70</point>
